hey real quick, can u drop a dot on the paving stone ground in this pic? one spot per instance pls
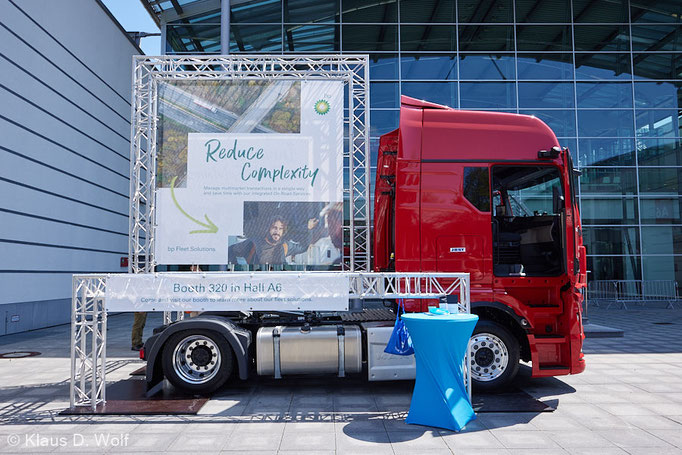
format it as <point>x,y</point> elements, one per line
<point>628,401</point>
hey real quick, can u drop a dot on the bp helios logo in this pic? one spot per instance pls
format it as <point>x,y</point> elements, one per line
<point>322,107</point>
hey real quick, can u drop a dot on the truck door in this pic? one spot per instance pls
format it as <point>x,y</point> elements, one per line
<point>456,218</point>
<point>528,221</point>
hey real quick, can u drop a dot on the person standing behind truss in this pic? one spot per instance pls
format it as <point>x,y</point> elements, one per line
<point>140,320</point>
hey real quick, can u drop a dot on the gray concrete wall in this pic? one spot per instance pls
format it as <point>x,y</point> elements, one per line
<point>65,84</point>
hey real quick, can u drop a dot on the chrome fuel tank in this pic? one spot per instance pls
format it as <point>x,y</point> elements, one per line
<point>321,349</point>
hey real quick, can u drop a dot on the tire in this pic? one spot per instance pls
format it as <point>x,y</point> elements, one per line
<point>197,361</point>
<point>494,356</point>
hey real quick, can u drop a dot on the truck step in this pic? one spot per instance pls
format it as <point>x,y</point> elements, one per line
<point>550,339</point>
<point>553,367</point>
<point>369,315</point>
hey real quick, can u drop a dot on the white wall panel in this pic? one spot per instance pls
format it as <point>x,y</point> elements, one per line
<point>111,62</point>
<point>40,149</point>
<point>40,258</point>
<point>28,229</point>
<point>27,200</point>
<point>35,286</point>
<point>54,217</point>
<point>82,27</point>
<point>29,172</point>
<point>38,121</point>
<point>24,56</point>
<point>34,91</point>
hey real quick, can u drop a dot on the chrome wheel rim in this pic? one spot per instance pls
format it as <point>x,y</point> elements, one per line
<point>489,357</point>
<point>196,359</point>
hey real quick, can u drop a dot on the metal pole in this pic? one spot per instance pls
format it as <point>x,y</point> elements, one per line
<point>586,296</point>
<point>162,51</point>
<point>366,165</point>
<point>83,337</point>
<point>74,329</point>
<point>351,170</point>
<point>133,158</point>
<point>94,386</point>
<point>465,370</point>
<point>225,27</point>
<point>465,296</point>
<point>150,260</point>
<point>104,351</point>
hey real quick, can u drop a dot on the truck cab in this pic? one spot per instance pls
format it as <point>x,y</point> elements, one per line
<point>491,194</point>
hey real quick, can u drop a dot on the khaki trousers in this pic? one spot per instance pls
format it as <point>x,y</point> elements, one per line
<point>138,328</point>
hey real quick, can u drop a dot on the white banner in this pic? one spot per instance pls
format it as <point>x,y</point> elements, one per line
<point>267,182</point>
<point>272,291</point>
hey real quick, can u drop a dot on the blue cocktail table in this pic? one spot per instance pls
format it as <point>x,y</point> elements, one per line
<point>440,398</point>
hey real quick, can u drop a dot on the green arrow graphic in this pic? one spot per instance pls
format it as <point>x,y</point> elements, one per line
<point>210,227</point>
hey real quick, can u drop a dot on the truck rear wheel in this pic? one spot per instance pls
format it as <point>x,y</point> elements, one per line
<point>494,353</point>
<point>197,361</point>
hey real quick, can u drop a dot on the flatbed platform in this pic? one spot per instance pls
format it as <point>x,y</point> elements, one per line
<point>369,315</point>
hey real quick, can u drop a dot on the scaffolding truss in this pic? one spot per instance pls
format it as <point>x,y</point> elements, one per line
<point>89,317</point>
<point>352,70</point>
<point>397,285</point>
<point>88,341</point>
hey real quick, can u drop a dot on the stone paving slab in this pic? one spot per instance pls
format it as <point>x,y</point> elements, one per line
<point>628,401</point>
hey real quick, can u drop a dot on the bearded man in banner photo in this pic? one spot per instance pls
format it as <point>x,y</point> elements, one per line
<point>273,247</point>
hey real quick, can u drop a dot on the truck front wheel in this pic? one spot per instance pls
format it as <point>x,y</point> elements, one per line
<point>197,362</point>
<point>494,356</point>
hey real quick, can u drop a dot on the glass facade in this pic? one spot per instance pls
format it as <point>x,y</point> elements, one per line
<point>605,76</point>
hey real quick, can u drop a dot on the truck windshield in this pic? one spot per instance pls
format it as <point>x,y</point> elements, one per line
<point>527,220</point>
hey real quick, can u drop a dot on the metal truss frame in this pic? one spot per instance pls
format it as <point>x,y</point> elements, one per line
<point>401,285</point>
<point>88,341</point>
<point>397,285</point>
<point>352,70</point>
<point>89,315</point>
<point>89,318</point>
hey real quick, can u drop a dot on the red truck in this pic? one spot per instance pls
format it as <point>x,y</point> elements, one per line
<point>492,194</point>
<point>487,193</point>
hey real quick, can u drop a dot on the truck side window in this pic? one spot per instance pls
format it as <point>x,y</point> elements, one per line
<point>476,185</point>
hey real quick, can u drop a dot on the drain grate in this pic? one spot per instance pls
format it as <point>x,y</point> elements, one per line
<point>18,354</point>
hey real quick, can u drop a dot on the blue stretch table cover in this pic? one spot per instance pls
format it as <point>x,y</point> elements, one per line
<point>440,398</point>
